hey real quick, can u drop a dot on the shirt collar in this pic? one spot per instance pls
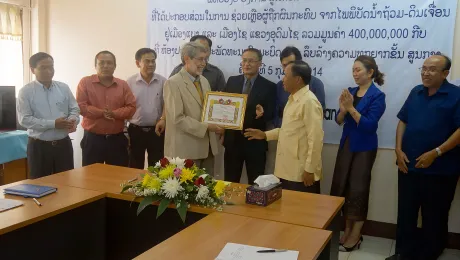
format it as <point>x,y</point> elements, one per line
<point>252,80</point>
<point>43,86</point>
<point>192,78</point>
<point>443,89</point>
<point>140,78</point>
<point>301,92</point>
<point>95,79</point>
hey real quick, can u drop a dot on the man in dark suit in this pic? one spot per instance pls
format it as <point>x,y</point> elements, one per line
<point>259,110</point>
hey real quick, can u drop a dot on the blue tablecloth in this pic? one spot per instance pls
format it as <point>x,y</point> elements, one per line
<point>13,146</point>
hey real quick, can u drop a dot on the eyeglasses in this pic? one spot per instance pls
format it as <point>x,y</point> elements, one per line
<point>250,61</point>
<point>202,60</point>
<point>429,70</point>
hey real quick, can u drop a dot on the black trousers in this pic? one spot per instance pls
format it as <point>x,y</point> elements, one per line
<point>299,186</point>
<point>109,149</point>
<point>142,139</point>
<point>434,195</point>
<point>253,153</point>
<point>49,157</point>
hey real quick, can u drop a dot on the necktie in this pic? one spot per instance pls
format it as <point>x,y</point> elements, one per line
<point>198,88</point>
<point>247,87</point>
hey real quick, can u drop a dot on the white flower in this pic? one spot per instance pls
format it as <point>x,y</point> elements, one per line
<point>158,164</point>
<point>171,187</point>
<point>203,192</point>
<point>203,175</point>
<point>180,163</point>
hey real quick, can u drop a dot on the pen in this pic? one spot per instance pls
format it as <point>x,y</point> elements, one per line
<point>133,179</point>
<point>272,251</point>
<point>37,202</point>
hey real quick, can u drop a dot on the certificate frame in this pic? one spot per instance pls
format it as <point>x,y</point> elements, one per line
<point>238,101</point>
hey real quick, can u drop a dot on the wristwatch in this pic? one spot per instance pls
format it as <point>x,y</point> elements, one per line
<point>162,118</point>
<point>438,151</point>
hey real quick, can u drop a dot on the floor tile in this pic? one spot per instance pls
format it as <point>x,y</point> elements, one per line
<point>393,247</point>
<point>362,255</point>
<point>450,254</point>
<point>344,255</point>
<point>376,245</point>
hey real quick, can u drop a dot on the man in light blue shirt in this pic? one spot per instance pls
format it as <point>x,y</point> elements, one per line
<point>50,112</point>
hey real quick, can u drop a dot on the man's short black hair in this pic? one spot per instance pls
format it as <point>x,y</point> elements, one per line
<point>37,57</point>
<point>105,52</point>
<point>201,37</point>
<point>290,50</point>
<point>141,52</point>
<point>302,69</point>
<point>256,51</point>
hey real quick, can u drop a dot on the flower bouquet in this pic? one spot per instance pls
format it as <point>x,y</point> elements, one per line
<point>179,181</point>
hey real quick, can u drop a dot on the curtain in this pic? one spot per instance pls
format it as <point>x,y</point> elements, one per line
<point>10,22</point>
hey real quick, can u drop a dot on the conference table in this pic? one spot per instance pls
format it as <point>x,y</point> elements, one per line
<point>127,235</point>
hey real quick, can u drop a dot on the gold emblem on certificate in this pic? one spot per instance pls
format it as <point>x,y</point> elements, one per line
<point>224,109</point>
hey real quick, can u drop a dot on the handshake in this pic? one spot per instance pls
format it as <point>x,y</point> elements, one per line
<point>66,123</point>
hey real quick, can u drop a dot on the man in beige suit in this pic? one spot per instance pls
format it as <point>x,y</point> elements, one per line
<point>186,136</point>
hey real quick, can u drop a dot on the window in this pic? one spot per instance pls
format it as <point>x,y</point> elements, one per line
<point>12,48</point>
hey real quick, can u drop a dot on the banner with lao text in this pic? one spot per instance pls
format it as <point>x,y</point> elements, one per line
<point>329,33</point>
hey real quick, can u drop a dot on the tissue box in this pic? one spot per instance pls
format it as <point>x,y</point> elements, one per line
<point>263,196</point>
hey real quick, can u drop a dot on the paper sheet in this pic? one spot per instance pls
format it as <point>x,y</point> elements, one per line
<point>233,251</point>
<point>6,204</point>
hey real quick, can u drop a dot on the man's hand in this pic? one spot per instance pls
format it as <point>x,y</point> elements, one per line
<point>402,160</point>
<point>255,134</point>
<point>259,111</point>
<point>74,125</point>
<point>108,114</point>
<point>160,127</point>
<point>426,159</point>
<point>216,129</point>
<point>221,139</point>
<point>308,178</point>
<point>63,123</point>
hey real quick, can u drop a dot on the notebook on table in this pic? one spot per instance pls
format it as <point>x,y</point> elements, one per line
<point>6,204</point>
<point>30,190</point>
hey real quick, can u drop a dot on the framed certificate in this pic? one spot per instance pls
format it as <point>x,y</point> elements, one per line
<point>224,109</point>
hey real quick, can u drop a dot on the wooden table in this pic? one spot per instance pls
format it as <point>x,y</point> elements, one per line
<point>206,238</point>
<point>70,220</point>
<point>299,208</point>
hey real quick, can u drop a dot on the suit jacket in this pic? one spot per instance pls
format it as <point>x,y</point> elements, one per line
<point>363,136</point>
<point>186,136</point>
<point>263,93</point>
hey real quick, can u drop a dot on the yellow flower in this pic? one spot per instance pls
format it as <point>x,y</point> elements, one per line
<point>187,175</point>
<point>154,183</point>
<point>166,172</point>
<point>219,188</point>
<point>146,180</point>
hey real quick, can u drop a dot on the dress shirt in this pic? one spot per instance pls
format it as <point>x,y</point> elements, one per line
<point>300,138</point>
<point>93,98</point>
<point>38,107</point>
<point>430,121</point>
<point>212,73</point>
<point>316,86</point>
<point>149,99</point>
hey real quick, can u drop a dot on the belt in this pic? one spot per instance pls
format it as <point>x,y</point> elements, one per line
<point>143,128</point>
<point>107,136</point>
<point>53,143</point>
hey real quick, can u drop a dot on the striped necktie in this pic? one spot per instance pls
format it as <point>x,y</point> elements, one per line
<point>247,87</point>
<point>198,88</point>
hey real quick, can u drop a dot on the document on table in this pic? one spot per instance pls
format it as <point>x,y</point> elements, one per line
<point>233,251</point>
<point>6,204</point>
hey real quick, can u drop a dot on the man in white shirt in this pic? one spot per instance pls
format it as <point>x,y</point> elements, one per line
<point>49,111</point>
<point>147,87</point>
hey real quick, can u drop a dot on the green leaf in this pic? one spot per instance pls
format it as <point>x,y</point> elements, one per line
<point>162,207</point>
<point>125,188</point>
<point>182,209</point>
<point>147,201</point>
<point>189,188</point>
<point>151,169</point>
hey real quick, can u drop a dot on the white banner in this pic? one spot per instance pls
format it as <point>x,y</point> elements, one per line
<point>329,33</point>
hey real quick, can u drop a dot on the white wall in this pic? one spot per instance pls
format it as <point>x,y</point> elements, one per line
<point>77,30</point>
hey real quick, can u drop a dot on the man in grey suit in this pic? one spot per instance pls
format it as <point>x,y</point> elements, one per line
<point>186,136</point>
